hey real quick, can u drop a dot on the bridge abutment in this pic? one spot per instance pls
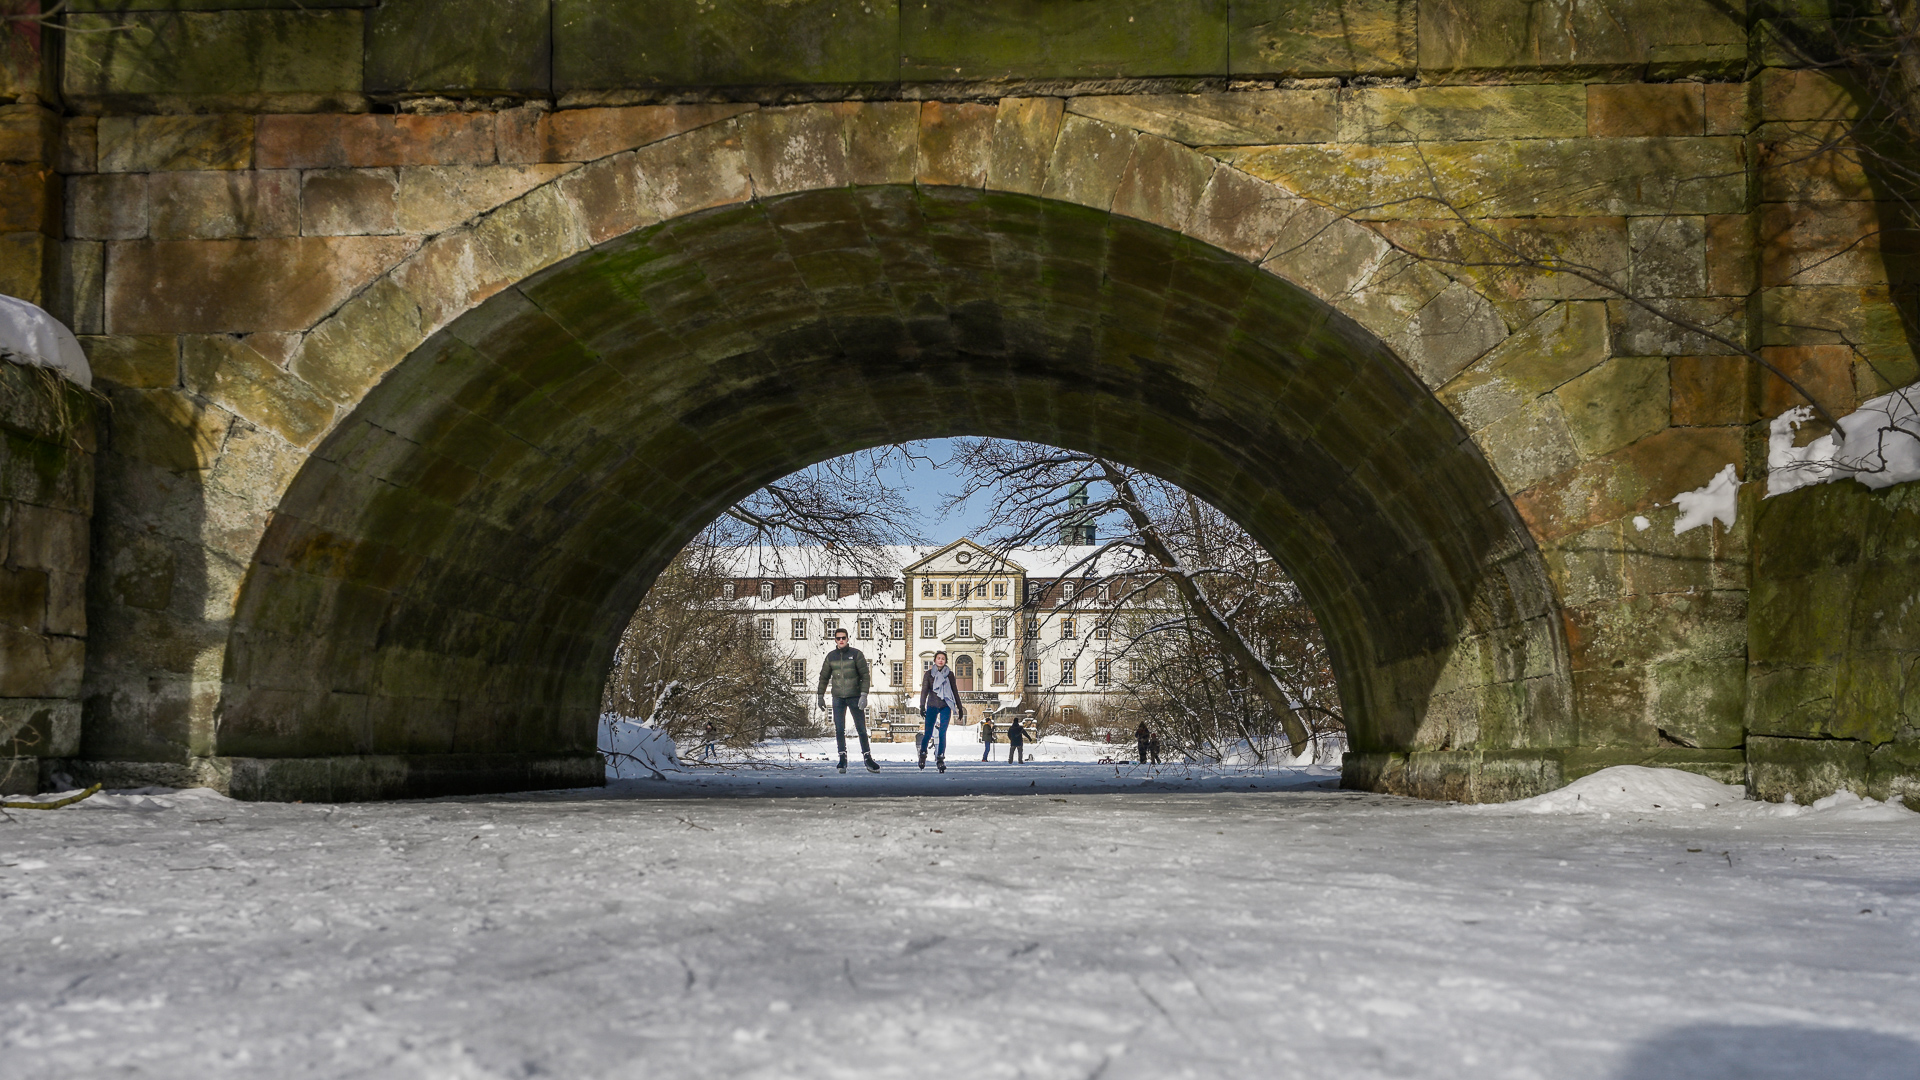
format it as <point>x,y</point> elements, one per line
<point>248,267</point>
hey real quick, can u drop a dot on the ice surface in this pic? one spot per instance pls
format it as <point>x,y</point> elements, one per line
<point>1148,923</point>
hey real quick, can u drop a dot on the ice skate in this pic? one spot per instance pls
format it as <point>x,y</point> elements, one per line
<point>872,765</point>
<point>940,763</point>
<point>923,757</point>
<point>843,763</point>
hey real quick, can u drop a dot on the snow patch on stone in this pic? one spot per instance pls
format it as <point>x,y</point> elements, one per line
<point>1718,501</point>
<point>633,749</point>
<point>1877,444</point>
<point>30,336</point>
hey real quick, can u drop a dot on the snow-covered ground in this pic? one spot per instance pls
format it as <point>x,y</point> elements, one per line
<point>1096,922</point>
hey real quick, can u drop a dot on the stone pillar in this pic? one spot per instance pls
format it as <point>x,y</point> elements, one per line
<point>46,501</point>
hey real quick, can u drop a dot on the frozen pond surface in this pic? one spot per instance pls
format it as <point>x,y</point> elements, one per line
<point>1110,924</point>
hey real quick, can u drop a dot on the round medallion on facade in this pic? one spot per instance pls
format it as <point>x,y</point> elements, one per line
<point>963,557</point>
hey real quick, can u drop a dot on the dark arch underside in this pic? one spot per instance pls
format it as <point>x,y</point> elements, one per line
<point>445,579</point>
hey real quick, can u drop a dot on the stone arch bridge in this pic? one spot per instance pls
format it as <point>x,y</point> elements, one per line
<point>427,332</point>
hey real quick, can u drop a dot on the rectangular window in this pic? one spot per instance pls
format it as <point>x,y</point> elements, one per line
<point>899,673</point>
<point>1066,673</point>
<point>963,627</point>
<point>1033,628</point>
<point>1033,673</point>
<point>766,590</point>
<point>1066,630</point>
<point>866,629</point>
<point>1136,669</point>
<point>799,629</point>
<point>1066,590</point>
<point>899,628</point>
<point>766,629</point>
<point>927,628</point>
<point>926,587</point>
<point>1103,672</point>
<point>1069,714</point>
<point>999,590</point>
<point>799,590</point>
<point>946,590</point>
<point>1103,629</point>
<point>827,627</point>
<point>999,673</point>
<point>980,590</point>
<point>798,669</point>
<point>1000,626</point>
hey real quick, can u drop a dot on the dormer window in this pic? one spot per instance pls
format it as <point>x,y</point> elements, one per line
<point>726,591</point>
<point>766,590</point>
<point>833,590</point>
<point>866,590</point>
<point>799,590</point>
<point>1066,590</point>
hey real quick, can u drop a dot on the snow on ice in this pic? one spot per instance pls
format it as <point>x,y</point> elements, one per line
<point>1070,918</point>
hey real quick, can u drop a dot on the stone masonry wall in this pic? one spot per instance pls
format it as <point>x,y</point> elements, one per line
<point>46,496</point>
<point>224,210</point>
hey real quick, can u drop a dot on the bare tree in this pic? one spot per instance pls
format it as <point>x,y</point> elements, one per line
<point>687,659</point>
<point>844,505</point>
<point>1167,553</point>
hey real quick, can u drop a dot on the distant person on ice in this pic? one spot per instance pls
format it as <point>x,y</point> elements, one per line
<point>1153,746</point>
<point>1143,737</point>
<point>940,702</point>
<point>845,669</point>
<point>986,737</point>
<point>709,736</point>
<point>1016,742</point>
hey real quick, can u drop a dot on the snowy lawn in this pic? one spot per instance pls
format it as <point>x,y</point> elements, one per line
<point>1150,926</point>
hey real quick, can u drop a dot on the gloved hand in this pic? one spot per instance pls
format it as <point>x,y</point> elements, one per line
<point>863,704</point>
<point>820,703</point>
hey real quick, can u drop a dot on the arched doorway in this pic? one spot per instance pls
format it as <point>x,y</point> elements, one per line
<point>963,673</point>
<point>441,587</point>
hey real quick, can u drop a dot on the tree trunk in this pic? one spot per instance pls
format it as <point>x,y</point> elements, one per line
<point>1223,635</point>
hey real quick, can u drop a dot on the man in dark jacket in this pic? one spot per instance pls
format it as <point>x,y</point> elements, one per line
<point>986,739</point>
<point>845,669</point>
<point>1016,742</point>
<point>1142,736</point>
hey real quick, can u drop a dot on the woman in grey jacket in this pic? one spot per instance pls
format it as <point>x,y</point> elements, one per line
<point>940,701</point>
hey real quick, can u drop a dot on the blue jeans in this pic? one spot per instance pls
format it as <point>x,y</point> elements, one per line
<point>940,713</point>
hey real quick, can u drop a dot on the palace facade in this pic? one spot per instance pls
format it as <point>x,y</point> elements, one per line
<point>1040,629</point>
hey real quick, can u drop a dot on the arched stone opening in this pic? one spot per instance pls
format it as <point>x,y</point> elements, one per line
<point>435,601</point>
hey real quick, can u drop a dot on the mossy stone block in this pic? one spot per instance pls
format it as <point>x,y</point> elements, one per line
<point>1616,403</point>
<point>1700,703</point>
<point>1049,39</point>
<point>1682,36</point>
<point>1310,37</point>
<point>460,47</point>
<point>620,44</point>
<point>314,56</point>
<point>1806,769</point>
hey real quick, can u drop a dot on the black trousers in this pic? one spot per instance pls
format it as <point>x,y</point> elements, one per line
<point>1016,750</point>
<point>841,707</point>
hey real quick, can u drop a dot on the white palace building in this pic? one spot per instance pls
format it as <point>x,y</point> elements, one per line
<point>1021,632</point>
